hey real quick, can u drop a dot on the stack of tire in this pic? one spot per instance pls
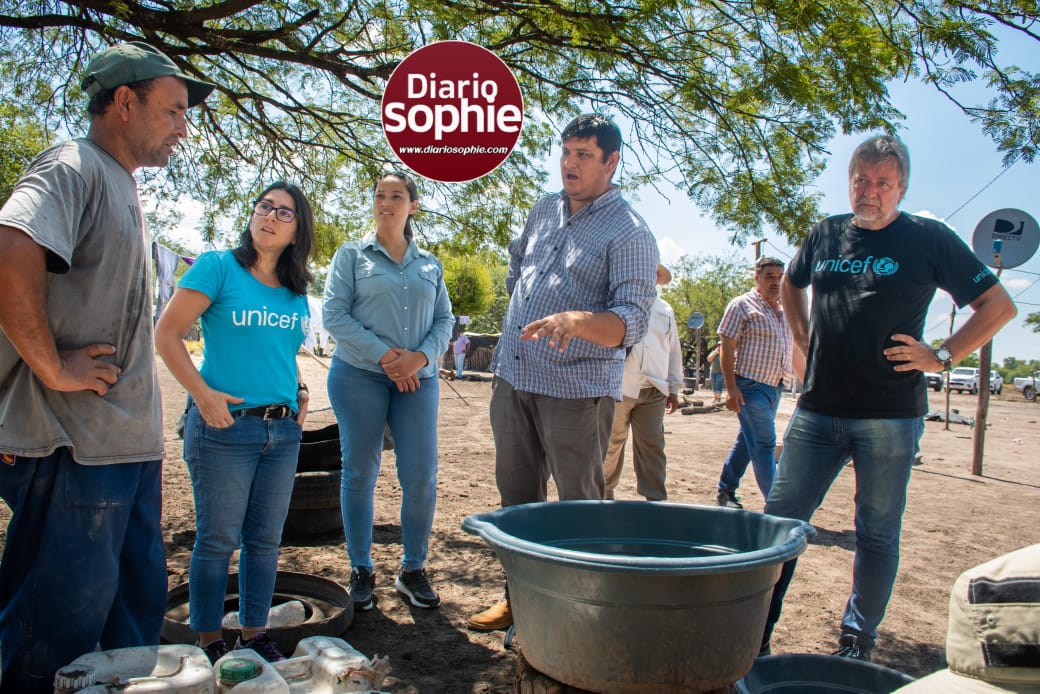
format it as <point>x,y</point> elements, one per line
<point>314,505</point>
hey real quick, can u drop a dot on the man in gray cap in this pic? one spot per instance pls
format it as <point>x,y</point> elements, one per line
<point>81,441</point>
<point>993,637</point>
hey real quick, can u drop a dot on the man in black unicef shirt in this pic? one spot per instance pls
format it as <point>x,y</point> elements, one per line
<point>873,274</point>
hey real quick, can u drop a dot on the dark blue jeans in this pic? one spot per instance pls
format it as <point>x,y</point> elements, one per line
<point>84,564</point>
<point>756,440</point>
<point>816,449</point>
<point>242,479</point>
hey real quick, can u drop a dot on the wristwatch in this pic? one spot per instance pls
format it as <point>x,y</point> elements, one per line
<point>944,357</point>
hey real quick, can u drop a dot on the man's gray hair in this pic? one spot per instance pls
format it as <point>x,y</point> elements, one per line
<point>877,148</point>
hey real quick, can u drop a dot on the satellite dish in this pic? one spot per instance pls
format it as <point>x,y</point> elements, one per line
<point>696,320</point>
<point>1006,238</point>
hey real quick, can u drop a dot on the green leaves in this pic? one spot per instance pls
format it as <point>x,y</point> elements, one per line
<point>733,102</point>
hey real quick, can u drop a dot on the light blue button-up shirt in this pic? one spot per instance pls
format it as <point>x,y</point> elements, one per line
<point>603,258</point>
<point>372,303</point>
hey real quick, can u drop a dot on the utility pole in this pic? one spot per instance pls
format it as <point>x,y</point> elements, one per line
<point>758,248</point>
<point>982,406</point>
<point>953,314</point>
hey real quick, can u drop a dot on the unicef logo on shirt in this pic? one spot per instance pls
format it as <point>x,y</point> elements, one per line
<point>883,267</point>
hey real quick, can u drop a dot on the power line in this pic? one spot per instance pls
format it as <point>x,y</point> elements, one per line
<point>1027,288</point>
<point>981,190</point>
<point>778,249</point>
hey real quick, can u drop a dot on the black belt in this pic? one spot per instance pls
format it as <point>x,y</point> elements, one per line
<point>266,411</point>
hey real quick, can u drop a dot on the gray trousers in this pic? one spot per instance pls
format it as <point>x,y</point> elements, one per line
<point>645,415</point>
<point>538,436</point>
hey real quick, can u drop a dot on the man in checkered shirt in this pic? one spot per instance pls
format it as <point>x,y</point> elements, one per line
<point>756,361</point>
<point>582,278</point>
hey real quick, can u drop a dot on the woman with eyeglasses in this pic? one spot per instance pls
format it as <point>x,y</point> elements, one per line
<point>242,430</point>
<point>388,310</point>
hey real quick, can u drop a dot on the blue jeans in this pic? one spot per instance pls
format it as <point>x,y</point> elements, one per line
<point>364,403</point>
<point>756,440</point>
<point>242,479</point>
<point>816,449</point>
<point>718,383</point>
<point>460,363</point>
<point>84,563</point>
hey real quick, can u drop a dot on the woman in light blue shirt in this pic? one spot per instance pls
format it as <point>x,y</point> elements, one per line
<point>388,309</point>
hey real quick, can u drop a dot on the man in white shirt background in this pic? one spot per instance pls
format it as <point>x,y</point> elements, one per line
<point>653,377</point>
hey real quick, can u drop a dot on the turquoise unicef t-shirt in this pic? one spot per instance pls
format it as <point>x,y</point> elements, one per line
<point>251,332</point>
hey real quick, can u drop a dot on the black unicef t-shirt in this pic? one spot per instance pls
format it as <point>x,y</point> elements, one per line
<point>866,286</point>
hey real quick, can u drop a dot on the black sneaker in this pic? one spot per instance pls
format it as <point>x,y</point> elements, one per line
<point>215,650</point>
<point>362,588</point>
<point>853,646</point>
<point>415,586</point>
<point>262,644</point>
<point>730,499</point>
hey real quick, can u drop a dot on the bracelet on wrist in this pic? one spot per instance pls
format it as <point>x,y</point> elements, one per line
<point>302,386</point>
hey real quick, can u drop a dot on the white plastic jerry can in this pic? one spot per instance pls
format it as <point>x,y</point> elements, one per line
<point>174,668</point>
<point>244,671</point>
<point>328,665</point>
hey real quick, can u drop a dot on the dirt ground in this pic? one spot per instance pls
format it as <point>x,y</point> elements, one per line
<point>954,520</point>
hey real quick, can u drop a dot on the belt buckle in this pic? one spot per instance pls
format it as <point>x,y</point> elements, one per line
<point>270,410</point>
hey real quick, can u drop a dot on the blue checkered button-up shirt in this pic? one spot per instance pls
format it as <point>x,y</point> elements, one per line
<point>603,258</point>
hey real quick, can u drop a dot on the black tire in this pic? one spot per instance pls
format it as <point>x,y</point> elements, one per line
<point>1000,389</point>
<point>327,604</point>
<point>319,450</point>
<point>975,390</point>
<point>314,505</point>
<point>1029,393</point>
<point>318,489</point>
<point>937,387</point>
<point>300,526</point>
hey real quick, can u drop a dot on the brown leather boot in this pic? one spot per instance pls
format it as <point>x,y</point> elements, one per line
<point>499,616</point>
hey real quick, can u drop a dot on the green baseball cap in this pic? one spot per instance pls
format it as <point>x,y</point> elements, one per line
<point>126,63</point>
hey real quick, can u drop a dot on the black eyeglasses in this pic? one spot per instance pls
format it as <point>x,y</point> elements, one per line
<point>263,208</point>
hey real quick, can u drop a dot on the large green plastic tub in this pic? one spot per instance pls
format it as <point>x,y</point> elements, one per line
<point>615,596</point>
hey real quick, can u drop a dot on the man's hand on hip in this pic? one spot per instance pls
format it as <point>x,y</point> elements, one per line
<point>911,355</point>
<point>82,370</point>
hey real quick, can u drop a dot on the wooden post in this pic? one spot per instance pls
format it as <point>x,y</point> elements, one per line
<point>946,374</point>
<point>982,407</point>
<point>697,375</point>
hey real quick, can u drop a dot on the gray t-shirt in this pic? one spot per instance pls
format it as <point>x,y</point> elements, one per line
<point>80,204</point>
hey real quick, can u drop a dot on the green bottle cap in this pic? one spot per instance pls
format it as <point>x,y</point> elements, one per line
<point>235,670</point>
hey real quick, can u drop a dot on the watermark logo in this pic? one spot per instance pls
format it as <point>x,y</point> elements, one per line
<point>452,111</point>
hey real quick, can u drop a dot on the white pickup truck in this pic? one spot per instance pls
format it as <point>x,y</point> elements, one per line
<point>963,378</point>
<point>966,378</point>
<point>1027,385</point>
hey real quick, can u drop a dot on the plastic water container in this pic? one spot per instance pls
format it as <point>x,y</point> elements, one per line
<point>174,668</point>
<point>327,665</point>
<point>244,671</point>
<point>286,614</point>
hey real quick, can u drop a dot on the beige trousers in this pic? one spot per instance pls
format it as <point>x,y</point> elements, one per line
<point>645,416</point>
